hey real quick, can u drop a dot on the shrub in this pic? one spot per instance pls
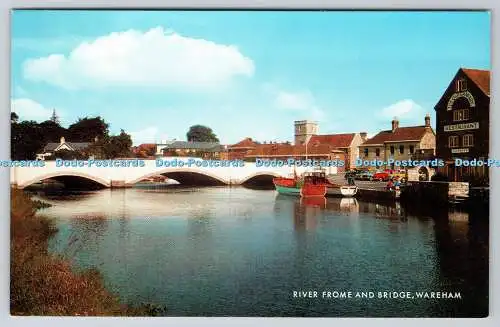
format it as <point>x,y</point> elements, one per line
<point>45,284</point>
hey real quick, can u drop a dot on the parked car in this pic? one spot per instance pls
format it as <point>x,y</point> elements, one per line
<point>351,173</point>
<point>399,174</point>
<point>365,175</point>
<point>381,176</point>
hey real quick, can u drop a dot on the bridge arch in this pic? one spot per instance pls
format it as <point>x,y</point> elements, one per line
<point>176,174</point>
<point>95,179</point>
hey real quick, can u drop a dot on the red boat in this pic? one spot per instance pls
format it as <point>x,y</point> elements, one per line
<point>312,185</point>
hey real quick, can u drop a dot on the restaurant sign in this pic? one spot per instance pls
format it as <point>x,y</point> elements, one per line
<point>465,94</point>
<point>465,150</point>
<point>461,127</point>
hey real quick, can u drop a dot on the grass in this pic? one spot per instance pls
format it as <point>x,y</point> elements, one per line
<point>45,284</point>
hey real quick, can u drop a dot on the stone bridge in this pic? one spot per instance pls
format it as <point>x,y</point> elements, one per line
<point>22,177</point>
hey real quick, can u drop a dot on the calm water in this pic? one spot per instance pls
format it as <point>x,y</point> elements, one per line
<point>241,252</point>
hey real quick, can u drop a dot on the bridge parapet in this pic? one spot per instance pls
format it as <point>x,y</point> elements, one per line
<point>127,176</point>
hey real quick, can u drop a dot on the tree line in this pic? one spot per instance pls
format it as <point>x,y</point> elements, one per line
<point>29,137</point>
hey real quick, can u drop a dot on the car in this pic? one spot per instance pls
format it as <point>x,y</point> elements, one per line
<point>351,173</point>
<point>381,176</point>
<point>365,175</point>
<point>399,174</point>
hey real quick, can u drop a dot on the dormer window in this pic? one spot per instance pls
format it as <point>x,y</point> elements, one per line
<point>461,85</point>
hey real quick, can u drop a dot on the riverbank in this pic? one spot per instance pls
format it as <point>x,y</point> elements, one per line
<point>45,284</point>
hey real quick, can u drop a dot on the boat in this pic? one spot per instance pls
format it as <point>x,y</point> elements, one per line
<point>317,179</point>
<point>335,189</point>
<point>287,186</point>
<point>342,190</point>
<point>313,189</point>
<point>308,185</point>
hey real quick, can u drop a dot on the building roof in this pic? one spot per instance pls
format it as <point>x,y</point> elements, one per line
<point>480,77</point>
<point>246,143</point>
<point>144,147</point>
<point>76,146</point>
<point>412,133</point>
<point>206,146</point>
<point>335,140</point>
<point>287,149</point>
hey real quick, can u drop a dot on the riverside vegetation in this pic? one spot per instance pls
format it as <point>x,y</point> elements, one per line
<point>45,284</point>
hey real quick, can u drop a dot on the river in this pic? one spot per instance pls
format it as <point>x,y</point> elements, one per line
<point>220,251</point>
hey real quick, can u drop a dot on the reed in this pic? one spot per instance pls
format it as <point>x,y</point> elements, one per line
<point>45,284</point>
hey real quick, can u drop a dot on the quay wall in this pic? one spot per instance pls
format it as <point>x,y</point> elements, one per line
<point>433,192</point>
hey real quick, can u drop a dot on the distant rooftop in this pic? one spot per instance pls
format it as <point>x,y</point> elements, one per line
<point>207,146</point>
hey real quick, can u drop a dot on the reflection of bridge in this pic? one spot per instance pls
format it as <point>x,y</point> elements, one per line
<point>127,176</point>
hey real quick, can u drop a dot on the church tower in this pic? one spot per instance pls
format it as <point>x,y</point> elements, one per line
<point>304,129</point>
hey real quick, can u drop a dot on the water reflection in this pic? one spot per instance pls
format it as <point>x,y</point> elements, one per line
<point>234,251</point>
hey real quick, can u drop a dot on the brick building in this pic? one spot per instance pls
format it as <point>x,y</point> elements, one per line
<point>401,143</point>
<point>462,125</point>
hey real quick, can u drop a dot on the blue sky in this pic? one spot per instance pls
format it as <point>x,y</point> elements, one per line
<point>155,73</point>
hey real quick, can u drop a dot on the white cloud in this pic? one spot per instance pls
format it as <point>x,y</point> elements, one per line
<point>294,101</point>
<point>146,135</point>
<point>303,102</point>
<point>28,109</point>
<point>150,134</point>
<point>133,58</point>
<point>403,109</point>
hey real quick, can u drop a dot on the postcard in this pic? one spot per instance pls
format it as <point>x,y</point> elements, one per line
<point>250,163</point>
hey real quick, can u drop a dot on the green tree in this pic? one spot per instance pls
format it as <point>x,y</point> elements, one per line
<point>14,118</point>
<point>52,131</point>
<point>200,133</point>
<point>54,118</point>
<point>27,139</point>
<point>87,129</point>
<point>118,146</point>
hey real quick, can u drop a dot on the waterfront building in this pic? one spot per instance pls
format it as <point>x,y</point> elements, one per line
<point>462,125</point>
<point>241,149</point>
<point>401,143</point>
<point>145,150</point>
<point>307,132</point>
<point>286,150</point>
<point>52,148</point>
<point>205,150</point>
<point>161,145</point>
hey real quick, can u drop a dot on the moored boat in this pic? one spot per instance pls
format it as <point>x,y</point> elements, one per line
<point>345,190</point>
<point>287,186</point>
<point>310,189</point>
<point>310,185</point>
<point>342,190</point>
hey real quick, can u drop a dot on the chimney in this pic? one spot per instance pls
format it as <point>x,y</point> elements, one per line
<point>363,136</point>
<point>428,120</point>
<point>395,124</point>
<point>62,140</point>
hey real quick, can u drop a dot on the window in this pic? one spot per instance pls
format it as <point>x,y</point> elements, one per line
<point>461,85</point>
<point>468,140</point>
<point>453,141</point>
<point>377,152</point>
<point>412,149</point>
<point>392,149</point>
<point>366,152</point>
<point>401,149</point>
<point>460,114</point>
